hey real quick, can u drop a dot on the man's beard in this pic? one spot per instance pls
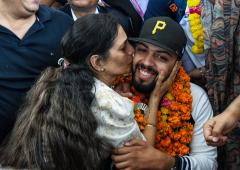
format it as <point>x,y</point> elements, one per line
<point>139,86</point>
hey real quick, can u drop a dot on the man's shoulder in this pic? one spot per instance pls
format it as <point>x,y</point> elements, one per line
<point>197,90</point>
<point>200,100</point>
<point>199,96</point>
<point>65,8</point>
<point>46,13</point>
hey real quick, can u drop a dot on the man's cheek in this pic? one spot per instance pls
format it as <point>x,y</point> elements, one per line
<point>164,74</point>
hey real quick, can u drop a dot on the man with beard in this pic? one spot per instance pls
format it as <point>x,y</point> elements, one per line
<point>160,45</point>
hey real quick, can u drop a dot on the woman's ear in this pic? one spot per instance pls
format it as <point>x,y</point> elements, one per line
<point>97,63</point>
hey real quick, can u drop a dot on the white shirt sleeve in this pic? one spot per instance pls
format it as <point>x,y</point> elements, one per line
<point>115,116</point>
<point>201,155</point>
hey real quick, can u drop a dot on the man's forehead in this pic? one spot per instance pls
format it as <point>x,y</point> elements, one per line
<point>152,47</point>
<point>156,49</point>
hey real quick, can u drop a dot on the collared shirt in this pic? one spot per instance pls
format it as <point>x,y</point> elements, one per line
<point>68,10</point>
<point>22,60</point>
<point>73,15</point>
<point>143,4</point>
<point>140,6</point>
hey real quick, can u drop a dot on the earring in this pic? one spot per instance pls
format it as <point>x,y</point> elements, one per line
<point>133,55</point>
<point>102,69</point>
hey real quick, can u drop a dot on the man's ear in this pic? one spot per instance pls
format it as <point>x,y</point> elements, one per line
<point>96,63</point>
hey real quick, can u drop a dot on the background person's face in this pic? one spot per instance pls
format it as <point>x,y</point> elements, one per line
<point>148,62</point>
<point>120,55</point>
<point>83,3</point>
<point>27,6</point>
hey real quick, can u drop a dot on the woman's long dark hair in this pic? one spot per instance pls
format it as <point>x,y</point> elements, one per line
<point>56,128</point>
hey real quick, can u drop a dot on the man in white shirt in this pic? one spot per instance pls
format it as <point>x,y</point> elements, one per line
<point>159,46</point>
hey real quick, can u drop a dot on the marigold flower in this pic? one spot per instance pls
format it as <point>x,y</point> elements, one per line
<point>169,96</point>
<point>197,50</point>
<point>164,118</point>
<point>164,110</point>
<point>196,25</point>
<point>165,142</point>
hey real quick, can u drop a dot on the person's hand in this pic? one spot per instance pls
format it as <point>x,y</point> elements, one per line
<point>124,90</point>
<point>138,155</point>
<point>195,73</point>
<point>199,75</point>
<point>161,86</point>
<point>215,130</point>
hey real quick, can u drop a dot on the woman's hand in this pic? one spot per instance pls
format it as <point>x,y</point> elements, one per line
<point>160,89</point>
<point>124,90</point>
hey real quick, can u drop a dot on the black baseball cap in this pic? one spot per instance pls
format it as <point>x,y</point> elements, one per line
<point>165,33</point>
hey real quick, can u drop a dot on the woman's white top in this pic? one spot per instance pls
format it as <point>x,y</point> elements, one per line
<point>115,115</point>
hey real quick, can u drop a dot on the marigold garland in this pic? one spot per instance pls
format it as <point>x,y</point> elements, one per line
<point>174,129</point>
<point>196,27</point>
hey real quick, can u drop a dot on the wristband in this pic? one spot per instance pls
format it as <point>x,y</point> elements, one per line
<point>177,163</point>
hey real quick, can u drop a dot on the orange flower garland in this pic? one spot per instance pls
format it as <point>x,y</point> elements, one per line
<point>174,129</point>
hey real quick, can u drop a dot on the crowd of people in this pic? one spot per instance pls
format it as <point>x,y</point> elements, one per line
<point>109,84</point>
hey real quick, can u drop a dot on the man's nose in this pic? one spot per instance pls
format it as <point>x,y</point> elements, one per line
<point>148,60</point>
